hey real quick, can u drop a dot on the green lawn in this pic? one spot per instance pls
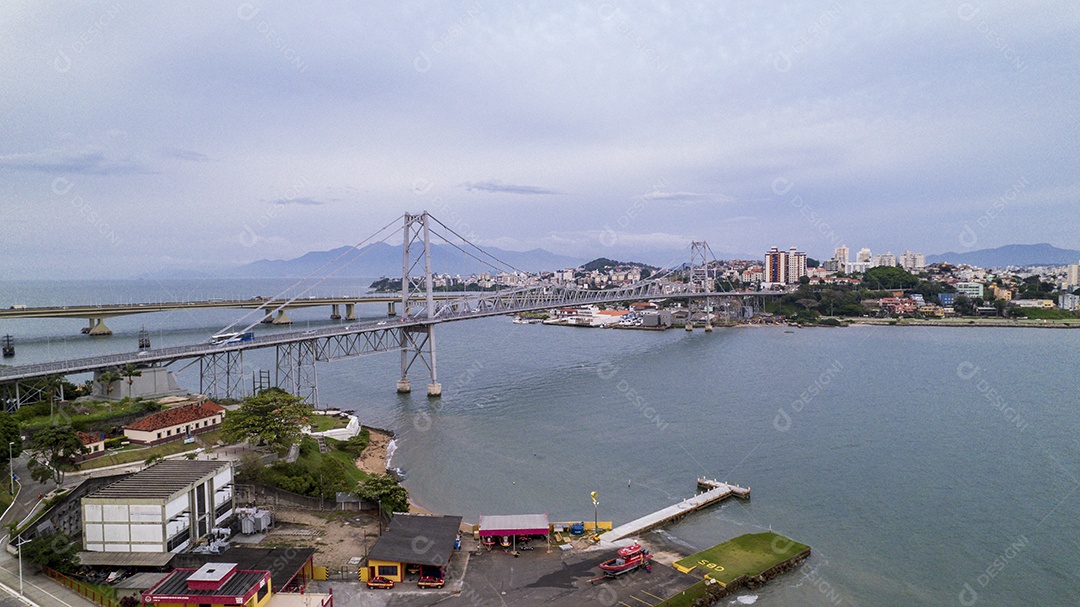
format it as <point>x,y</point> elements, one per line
<point>749,554</point>
<point>133,453</point>
<point>95,412</point>
<point>322,423</point>
<point>311,458</point>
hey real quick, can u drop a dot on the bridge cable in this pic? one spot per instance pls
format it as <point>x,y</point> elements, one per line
<point>280,295</point>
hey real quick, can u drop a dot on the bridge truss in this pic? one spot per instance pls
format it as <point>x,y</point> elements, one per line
<point>221,366</point>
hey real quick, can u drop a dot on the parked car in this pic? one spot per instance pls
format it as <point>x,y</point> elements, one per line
<point>431,582</point>
<point>380,582</point>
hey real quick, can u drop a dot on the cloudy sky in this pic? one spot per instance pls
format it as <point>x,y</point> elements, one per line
<point>136,136</point>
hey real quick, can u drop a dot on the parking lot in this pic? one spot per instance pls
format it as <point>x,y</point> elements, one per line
<point>532,579</point>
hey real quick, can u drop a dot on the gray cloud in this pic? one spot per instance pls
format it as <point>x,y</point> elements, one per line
<point>84,161</point>
<point>306,202</point>
<point>182,154</point>
<point>506,188</point>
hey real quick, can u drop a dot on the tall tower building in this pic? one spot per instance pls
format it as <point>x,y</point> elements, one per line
<point>796,266</point>
<point>775,266</point>
<point>841,255</point>
<point>864,255</point>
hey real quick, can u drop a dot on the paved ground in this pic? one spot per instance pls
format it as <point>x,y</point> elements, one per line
<point>532,579</point>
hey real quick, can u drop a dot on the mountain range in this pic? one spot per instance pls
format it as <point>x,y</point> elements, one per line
<point>381,259</point>
<point>1042,254</point>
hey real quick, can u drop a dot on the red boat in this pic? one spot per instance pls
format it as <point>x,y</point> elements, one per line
<point>630,557</point>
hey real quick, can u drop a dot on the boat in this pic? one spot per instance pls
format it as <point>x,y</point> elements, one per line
<point>629,558</point>
<point>9,347</point>
<point>489,540</point>
<point>505,541</point>
<point>520,321</point>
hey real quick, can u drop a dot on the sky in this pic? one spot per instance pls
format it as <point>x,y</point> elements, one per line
<point>136,136</point>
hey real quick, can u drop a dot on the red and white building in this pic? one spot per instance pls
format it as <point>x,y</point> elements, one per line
<point>175,424</point>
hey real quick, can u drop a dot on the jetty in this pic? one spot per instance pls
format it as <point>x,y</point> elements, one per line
<point>714,492</point>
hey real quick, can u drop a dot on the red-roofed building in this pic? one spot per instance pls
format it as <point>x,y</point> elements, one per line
<point>174,424</point>
<point>94,443</point>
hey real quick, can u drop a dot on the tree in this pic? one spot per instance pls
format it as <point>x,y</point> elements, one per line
<point>272,417</point>
<point>890,277</point>
<point>54,550</point>
<point>58,446</point>
<point>9,433</point>
<point>129,373</point>
<point>384,490</point>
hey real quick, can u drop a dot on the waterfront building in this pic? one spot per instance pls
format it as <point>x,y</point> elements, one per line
<point>1068,301</point>
<point>971,290</point>
<point>164,508</point>
<point>174,424</point>
<point>418,540</point>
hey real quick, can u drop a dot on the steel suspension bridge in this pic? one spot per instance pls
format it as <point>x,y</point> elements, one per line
<point>221,367</point>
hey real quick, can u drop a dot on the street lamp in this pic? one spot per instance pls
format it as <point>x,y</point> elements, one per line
<point>596,517</point>
<point>19,546</point>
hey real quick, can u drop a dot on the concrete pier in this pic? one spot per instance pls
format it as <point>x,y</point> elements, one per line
<point>716,491</point>
<point>350,311</point>
<point>434,389</point>
<point>335,312</point>
<point>390,309</point>
<point>404,386</point>
<point>97,327</point>
<point>282,318</point>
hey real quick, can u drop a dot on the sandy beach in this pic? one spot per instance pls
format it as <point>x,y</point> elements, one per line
<point>373,460</point>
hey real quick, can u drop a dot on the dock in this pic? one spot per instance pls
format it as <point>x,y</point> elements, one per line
<point>714,492</point>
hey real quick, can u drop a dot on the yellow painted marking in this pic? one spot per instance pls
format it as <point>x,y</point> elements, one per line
<point>652,595</point>
<point>641,600</point>
<point>624,604</point>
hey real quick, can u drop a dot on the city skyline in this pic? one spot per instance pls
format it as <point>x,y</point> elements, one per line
<point>138,138</point>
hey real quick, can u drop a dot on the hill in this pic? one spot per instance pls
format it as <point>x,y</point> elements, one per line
<point>1042,254</point>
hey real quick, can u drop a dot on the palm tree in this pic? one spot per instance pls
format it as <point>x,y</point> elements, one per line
<point>130,372</point>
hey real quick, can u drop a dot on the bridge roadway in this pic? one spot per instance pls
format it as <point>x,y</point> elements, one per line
<point>378,336</point>
<point>112,310</point>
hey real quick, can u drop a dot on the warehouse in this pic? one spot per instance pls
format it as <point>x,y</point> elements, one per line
<point>164,508</point>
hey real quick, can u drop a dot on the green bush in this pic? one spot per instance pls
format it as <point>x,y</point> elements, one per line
<point>356,444</point>
<point>115,443</point>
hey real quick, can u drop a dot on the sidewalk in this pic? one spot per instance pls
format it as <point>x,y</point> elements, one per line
<point>41,590</point>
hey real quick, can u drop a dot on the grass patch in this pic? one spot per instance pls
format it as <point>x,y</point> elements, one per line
<point>322,423</point>
<point>687,597</point>
<point>749,555</point>
<point>39,417</point>
<point>133,453</point>
<point>315,473</point>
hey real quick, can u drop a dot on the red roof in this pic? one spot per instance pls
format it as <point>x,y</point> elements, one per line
<point>173,417</point>
<point>89,439</point>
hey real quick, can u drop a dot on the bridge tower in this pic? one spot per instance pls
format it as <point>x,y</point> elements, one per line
<point>699,278</point>
<point>417,302</point>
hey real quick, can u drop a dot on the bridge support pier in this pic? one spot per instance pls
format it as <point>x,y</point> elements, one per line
<point>282,318</point>
<point>404,386</point>
<point>350,311</point>
<point>334,312</point>
<point>390,310</point>
<point>97,327</point>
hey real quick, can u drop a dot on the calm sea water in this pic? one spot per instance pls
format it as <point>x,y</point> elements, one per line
<point>929,466</point>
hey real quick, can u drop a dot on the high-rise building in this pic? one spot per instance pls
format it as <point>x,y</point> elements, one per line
<point>775,266</point>
<point>912,262</point>
<point>864,255</point>
<point>885,259</point>
<point>796,266</point>
<point>784,267</point>
<point>1073,275</point>
<point>841,254</point>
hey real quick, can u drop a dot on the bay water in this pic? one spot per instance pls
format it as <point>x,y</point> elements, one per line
<point>924,466</point>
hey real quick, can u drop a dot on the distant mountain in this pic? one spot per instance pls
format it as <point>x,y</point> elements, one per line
<point>381,259</point>
<point>1042,254</point>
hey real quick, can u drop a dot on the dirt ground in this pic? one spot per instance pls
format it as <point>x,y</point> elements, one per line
<point>336,536</point>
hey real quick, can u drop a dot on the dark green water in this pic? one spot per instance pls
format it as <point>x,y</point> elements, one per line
<point>925,466</point>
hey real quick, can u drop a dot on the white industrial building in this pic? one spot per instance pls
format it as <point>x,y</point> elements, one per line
<point>164,508</point>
